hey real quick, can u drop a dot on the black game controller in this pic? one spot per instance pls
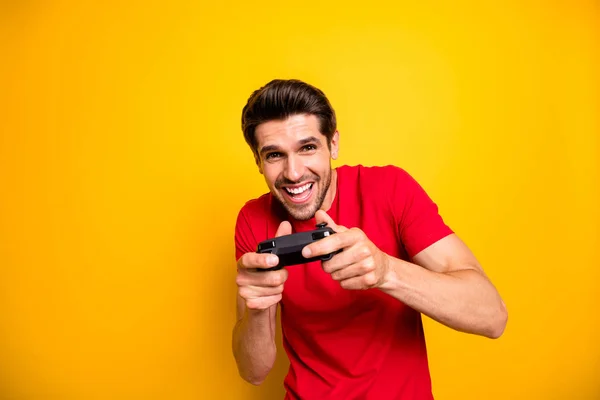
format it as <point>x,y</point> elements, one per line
<point>289,247</point>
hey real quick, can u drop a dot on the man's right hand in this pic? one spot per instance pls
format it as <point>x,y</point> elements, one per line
<point>261,289</point>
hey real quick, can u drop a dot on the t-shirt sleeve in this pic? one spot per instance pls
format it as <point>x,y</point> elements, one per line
<point>419,222</point>
<point>244,238</point>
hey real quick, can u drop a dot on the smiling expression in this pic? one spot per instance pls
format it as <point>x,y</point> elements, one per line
<point>295,160</point>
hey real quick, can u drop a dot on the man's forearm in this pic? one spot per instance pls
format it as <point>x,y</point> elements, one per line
<point>254,345</point>
<point>463,300</point>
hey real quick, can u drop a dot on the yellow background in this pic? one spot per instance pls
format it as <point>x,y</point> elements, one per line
<point>122,168</point>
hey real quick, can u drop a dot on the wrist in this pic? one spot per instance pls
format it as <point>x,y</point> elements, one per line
<point>258,316</point>
<point>257,313</point>
<point>390,280</point>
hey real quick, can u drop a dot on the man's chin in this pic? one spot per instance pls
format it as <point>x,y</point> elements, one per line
<point>299,212</point>
<point>303,213</point>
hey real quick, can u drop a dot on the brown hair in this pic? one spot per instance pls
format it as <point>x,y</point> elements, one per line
<point>280,99</point>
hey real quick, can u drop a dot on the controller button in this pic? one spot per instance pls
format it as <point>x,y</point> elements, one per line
<point>321,225</point>
<point>267,245</point>
<point>319,235</point>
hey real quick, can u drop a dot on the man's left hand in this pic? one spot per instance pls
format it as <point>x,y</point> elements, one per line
<point>361,265</point>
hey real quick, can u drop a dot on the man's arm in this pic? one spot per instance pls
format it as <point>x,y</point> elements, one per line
<point>254,346</point>
<point>259,293</point>
<point>447,284</point>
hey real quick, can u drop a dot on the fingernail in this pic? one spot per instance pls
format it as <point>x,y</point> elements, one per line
<point>272,260</point>
<point>306,252</point>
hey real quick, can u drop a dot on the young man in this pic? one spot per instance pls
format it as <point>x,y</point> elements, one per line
<point>352,325</point>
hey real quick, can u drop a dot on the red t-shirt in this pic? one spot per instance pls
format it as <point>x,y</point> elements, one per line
<point>348,344</point>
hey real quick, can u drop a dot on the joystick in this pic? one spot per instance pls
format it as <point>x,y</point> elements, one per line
<point>289,247</point>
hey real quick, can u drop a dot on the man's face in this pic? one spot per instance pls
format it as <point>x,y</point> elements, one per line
<point>294,158</point>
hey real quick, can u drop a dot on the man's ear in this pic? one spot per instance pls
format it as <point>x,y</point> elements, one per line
<point>335,145</point>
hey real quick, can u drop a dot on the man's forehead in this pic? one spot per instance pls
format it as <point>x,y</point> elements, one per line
<point>289,131</point>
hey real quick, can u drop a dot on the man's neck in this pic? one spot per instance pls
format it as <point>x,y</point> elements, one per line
<point>331,191</point>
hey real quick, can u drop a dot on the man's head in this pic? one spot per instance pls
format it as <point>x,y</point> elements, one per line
<point>291,128</point>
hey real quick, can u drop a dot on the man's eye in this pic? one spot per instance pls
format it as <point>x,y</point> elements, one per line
<point>309,147</point>
<point>270,156</point>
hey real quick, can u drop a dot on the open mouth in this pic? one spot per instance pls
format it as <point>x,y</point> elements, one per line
<point>299,194</point>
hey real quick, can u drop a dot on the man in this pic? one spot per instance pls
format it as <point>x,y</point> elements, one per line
<point>352,325</point>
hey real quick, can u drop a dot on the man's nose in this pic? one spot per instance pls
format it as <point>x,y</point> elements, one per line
<point>294,168</point>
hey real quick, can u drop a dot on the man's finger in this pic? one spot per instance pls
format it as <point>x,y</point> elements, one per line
<point>254,292</point>
<point>358,269</point>
<point>322,217</point>
<point>255,277</point>
<point>331,243</point>
<point>361,282</point>
<point>285,228</point>
<point>350,256</point>
<point>257,260</point>
<point>267,260</point>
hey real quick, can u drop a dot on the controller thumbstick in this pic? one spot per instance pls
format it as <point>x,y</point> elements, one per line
<point>321,225</point>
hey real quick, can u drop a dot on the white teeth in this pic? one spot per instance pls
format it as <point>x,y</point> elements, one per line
<point>299,190</point>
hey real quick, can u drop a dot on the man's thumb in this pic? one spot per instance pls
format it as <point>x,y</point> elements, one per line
<point>322,217</point>
<point>285,228</point>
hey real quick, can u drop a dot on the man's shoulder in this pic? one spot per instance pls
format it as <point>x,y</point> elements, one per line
<point>259,205</point>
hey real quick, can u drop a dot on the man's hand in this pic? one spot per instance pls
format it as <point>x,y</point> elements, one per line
<point>261,289</point>
<point>361,265</point>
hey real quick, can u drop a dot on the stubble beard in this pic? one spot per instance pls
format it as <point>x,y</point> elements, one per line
<point>306,211</point>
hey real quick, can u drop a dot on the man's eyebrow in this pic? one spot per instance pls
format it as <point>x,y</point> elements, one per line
<point>310,139</point>
<point>268,148</point>
<point>302,142</point>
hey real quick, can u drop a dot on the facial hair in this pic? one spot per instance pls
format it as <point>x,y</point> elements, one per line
<point>306,211</point>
